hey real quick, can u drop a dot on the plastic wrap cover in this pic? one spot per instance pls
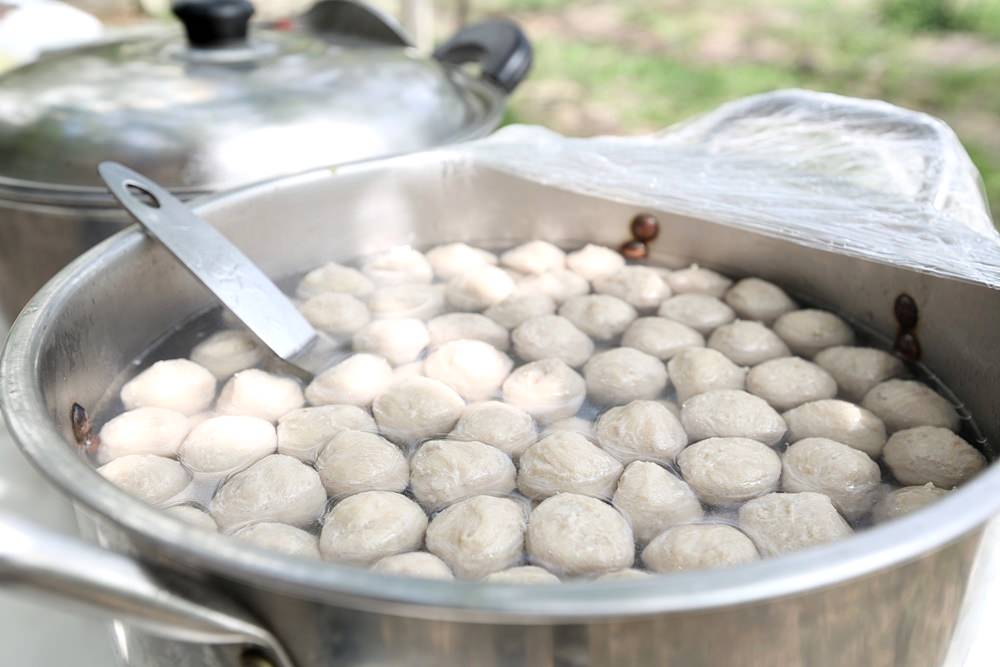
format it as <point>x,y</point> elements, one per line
<point>859,177</point>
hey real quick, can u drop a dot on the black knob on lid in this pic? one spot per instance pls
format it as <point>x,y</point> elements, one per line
<point>213,24</point>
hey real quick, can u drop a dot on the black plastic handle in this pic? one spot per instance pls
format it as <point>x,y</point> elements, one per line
<point>350,18</point>
<point>214,24</point>
<point>498,45</point>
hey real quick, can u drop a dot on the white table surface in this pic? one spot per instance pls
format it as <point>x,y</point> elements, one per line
<point>38,633</point>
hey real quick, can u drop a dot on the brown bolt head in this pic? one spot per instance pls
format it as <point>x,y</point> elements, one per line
<point>645,227</point>
<point>634,250</point>
<point>908,347</point>
<point>905,310</point>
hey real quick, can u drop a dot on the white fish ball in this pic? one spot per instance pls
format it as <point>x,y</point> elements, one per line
<point>698,280</point>
<point>421,302</point>
<point>522,574</point>
<point>474,369</point>
<point>467,326</point>
<point>809,332</point>
<point>280,537</point>
<point>552,337</point>
<point>698,370</point>
<point>174,384</point>
<point>788,382</point>
<point>905,500</point>
<point>143,431</point>
<point>661,337</point>
<point>699,547</point>
<point>276,488</point>
<point>846,475</point>
<point>639,286</point>
<point>747,343</point>
<point>858,369</point>
<point>534,257</point>
<point>622,375</point>
<point>573,535</point>
<point>478,536</point>
<point>257,393</point>
<point>303,432</point>
<point>356,380</point>
<point>418,564</point>
<point>728,471</point>
<point>369,526</point>
<point>333,277</point>
<point>756,299</point>
<point>399,341</point>
<point>931,454</point>
<point>904,404</point>
<point>701,312</point>
<point>567,461</point>
<point>594,261</point>
<point>446,471</point>
<point>227,443</point>
<point>548,390</point>
<point>410,370</point>
<point>506,427</point>
<point>653,499</point>
<point>417,408</point>
<point>732,413</point>
<point>401,265</point>
<point>520,307</point>
<point>227,352</point>
<point>600,316</point>
<point>584,427</point>
<point>334,313</point>
<point>355,461</point>
<point>194,516</point>
<point>560,284</point>
<point>479,288</point>
<point>641,431</point>
<point>779,523</point>
<point>453,259</point>
<point>837,420</point>
<point>150,478</point>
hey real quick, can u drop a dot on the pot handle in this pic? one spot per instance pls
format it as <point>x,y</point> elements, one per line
<point>352,19</point>
<point>498,45</point>
<point>71,570</point>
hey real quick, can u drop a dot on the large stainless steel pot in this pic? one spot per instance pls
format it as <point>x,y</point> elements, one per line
<point>221,108</point>
<point>883,598</point>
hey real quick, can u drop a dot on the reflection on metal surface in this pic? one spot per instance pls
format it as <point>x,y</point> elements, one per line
<point>207,124</point>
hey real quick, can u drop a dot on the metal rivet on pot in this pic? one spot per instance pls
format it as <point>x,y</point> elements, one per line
<point>906,313</point>
<point>645,227</point>
<point>634,250</point>
<point>83,428</point>
<point>908,347</point>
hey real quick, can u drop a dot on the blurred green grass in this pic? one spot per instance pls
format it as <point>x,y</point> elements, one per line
<point>637,65</point>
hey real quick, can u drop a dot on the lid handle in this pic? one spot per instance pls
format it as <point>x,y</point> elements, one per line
<point>214,24</point>
<point>498,45</point>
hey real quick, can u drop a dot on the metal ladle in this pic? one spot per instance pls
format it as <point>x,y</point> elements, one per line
<point>220,266</point>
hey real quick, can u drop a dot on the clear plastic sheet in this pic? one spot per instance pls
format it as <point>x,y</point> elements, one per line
<point>859,177</point>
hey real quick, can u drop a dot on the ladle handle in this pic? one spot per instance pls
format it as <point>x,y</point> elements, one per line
<point>235,280</point>
<point>71,570</point>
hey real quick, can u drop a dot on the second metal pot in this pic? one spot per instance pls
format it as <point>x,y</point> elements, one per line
<point>224,107</point>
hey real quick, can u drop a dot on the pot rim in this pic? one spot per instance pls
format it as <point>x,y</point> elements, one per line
<point>170,540</point>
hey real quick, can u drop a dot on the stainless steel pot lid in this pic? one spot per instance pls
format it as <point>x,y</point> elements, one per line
<point>223,107</point>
